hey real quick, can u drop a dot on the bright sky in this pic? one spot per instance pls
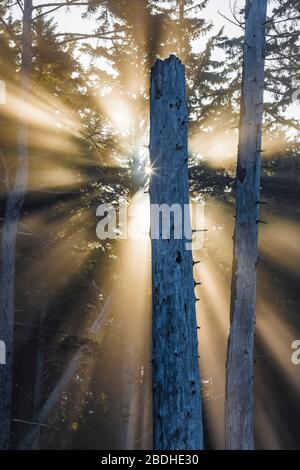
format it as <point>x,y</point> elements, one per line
<point>75,22</point>
<point>223,7</point>
<point>72,21</point>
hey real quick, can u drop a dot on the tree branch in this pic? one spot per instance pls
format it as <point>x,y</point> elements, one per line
<point>69,37</point>
<point>239,25</point>
<point>283,20</point>
<point>59,5</point>
<point>47,12</point>
<point>20,5</point>
<point>25,421</point>
<point>283,35</point>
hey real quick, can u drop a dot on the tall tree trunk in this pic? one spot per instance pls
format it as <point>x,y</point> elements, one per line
<point>14,203</point>
<point>39,372</point>
<point>177,413</point>
<point>129,397</point>
<point>180,4</point>
<point>239,380</point>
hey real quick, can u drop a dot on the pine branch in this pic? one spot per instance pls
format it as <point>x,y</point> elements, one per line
<point>193,7</point>
<point>283,20</point>
<point>283,35</point>
<point>9,31</point>
<point>284,122</point>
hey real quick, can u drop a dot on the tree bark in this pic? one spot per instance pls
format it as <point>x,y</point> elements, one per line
<point>177,413</point>
<point>239,379</point>
<point>14,203</point>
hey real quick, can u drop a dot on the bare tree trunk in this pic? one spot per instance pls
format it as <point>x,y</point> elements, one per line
<point>239,379</point>
<point>180,4</point>
<point>177,413</point>
<point>129,398</point>
<point>14,203</point>
<point>62,384</point>
<point>39,373</point>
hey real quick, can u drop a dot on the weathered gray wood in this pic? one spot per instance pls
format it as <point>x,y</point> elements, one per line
<point>177,414</point>
<point>239,383</point>
<point>14,203</point>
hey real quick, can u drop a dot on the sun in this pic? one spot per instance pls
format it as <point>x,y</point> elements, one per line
<point>149,170</point>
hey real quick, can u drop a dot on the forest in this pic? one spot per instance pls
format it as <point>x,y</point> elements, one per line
<point>117,332</point>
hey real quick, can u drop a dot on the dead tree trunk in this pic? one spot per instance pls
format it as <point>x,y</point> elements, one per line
<point>177,413</point>
<point>239,380</point>
<point>14,203</point>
